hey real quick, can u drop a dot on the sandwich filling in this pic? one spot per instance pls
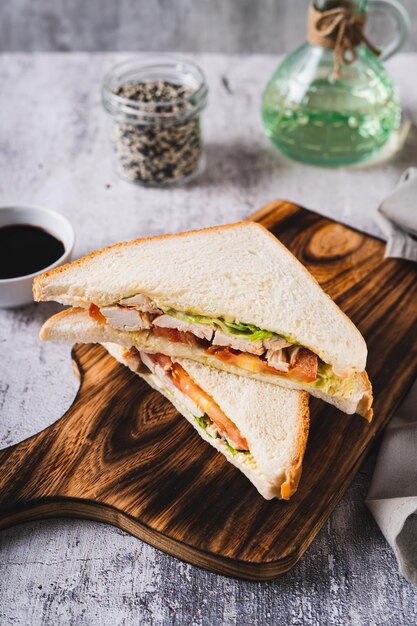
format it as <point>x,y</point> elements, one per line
<point>242,345</point>
<point>179,384</point>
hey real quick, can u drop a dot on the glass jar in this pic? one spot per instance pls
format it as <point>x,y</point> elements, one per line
<point>156,105</point>
<point>314,115</point>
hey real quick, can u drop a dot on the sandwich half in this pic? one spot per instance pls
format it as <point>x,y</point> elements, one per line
<point>232,297</point>
<point>261,429</point>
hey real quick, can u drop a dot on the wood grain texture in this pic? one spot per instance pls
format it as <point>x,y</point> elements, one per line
<point>121,454</point>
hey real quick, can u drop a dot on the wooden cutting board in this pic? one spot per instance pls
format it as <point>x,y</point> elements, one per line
<point>122,454</point>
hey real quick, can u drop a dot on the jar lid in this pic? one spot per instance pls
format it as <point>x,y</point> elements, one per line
<point>150,68</point>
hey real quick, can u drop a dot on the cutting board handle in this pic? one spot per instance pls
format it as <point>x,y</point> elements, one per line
<point>37,474</point>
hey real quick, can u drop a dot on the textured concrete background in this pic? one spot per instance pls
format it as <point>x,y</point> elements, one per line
<point>165,25</point>
<point>54,152</point>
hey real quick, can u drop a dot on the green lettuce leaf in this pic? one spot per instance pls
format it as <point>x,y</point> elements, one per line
<point>203,422</point>
<point>330,383</point>
<point>233,450</point>
<point>253,333</point>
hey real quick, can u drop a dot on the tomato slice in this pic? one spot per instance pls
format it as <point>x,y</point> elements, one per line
<point>183,381</point>
<point>96,314</point>
<point>303,368</point>
<point>244,360</point>
<point>303,365</point>
<point>175,336</point>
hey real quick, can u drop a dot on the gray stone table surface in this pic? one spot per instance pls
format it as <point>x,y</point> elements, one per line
<point>54,152</point>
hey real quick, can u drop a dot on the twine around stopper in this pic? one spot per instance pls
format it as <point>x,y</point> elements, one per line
<point>340,30</point>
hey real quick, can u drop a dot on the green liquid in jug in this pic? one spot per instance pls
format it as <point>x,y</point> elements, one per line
<point>312,117</point>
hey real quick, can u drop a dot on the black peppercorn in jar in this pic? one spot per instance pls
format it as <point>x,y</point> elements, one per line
<point>155,103</point>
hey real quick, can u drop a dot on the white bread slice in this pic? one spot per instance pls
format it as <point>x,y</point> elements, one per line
<point>238,272</point>
<point>274,421</point>
<point>75,324</point>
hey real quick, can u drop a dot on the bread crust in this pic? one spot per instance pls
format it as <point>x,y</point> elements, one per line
<point>365,403</point>
<point>292,478</point>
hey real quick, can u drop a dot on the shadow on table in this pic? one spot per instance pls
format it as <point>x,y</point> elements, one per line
<point>400,150</point>
<point>240,163</point>
<point>249,165</point>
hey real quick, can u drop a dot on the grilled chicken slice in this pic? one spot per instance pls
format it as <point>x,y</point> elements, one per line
<point>141,303</point>
<point>276,343</point>
<point>238,343</point>
<point>202,331</point>
<point>133,356</point>
<point>278,360</point>
<point>123,318</point>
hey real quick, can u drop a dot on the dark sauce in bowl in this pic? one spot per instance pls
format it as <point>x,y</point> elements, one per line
<point>26,249</point>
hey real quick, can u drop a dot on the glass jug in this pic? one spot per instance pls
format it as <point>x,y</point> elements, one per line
<point>316,112</point>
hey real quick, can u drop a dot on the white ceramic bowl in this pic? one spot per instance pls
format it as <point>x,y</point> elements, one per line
<point>18,291</point>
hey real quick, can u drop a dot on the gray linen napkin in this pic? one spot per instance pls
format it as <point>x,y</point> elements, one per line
<point>397,218</point>
<point>392,497</point>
